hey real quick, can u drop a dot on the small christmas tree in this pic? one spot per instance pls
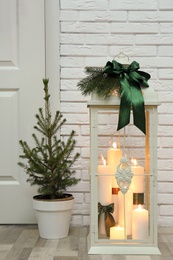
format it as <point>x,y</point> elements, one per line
<point>49,162</point>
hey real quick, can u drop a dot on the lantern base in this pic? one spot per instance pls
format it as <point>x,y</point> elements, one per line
<point>111,249</point>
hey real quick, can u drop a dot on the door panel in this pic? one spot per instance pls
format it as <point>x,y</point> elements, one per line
<point>22,67</point>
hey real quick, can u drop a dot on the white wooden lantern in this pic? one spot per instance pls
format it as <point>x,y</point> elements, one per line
<point>135,199</point>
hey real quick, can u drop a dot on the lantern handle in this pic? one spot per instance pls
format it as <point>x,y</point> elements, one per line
<point>122,58</point>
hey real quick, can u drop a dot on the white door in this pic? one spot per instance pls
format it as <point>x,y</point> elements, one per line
<point>22,67</point>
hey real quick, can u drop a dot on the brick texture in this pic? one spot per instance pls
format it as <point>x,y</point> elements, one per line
<point>92,32</point>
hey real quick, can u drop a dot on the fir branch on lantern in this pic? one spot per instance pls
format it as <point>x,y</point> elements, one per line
<point>100,82</point>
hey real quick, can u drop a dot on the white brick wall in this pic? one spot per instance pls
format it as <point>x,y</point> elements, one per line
<point>92,32</point>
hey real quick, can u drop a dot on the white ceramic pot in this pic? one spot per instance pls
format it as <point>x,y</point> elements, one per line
<point>53,217</point>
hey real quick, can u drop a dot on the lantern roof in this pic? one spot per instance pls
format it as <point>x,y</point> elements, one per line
<point>150,99</point>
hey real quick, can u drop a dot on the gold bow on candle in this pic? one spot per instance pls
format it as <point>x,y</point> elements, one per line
<point>109,220</point>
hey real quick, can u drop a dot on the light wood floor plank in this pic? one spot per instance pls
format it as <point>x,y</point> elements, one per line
<point>9,234</point>
<point>27,239</point>
<point>4,250</point>
<point>170,246</point>
<point>40,242</point>
<point>25,253</point>
<point>164,249</point>
<point>68,258</point>
<point>40,253</point>
<point>22,242</point>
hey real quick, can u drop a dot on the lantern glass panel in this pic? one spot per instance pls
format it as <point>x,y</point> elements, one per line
<point>123,217</point>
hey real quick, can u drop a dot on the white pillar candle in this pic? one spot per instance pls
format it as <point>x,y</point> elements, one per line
<point>117,232</point>
<point>104,184</point>
<point>128,210</point>
<point>104,191</point>
<point>114,155</point>
<point>137,184</point>
<point>140,223</point>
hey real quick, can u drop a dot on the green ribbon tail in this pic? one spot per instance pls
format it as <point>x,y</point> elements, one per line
<point>125,103</point>
<point>138,108</point>
<point>131,80</point>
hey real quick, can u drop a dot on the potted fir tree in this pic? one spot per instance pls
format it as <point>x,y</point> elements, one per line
<point>49,166</point>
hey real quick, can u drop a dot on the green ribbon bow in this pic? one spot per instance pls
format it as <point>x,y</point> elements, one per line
<point>109,220</point>
<point>131,95</point>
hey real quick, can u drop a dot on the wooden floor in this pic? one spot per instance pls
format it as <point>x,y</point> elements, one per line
<point>21,242</point>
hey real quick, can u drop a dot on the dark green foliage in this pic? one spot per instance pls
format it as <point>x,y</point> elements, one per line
<point>49,163</point>
<point>98,81</point>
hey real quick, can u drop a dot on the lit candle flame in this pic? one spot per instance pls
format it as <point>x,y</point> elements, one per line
<point>103,160</point>
<point>114,145</point>
<point>118,227</point>
<point>139,206</point>
<point>134,161</point>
